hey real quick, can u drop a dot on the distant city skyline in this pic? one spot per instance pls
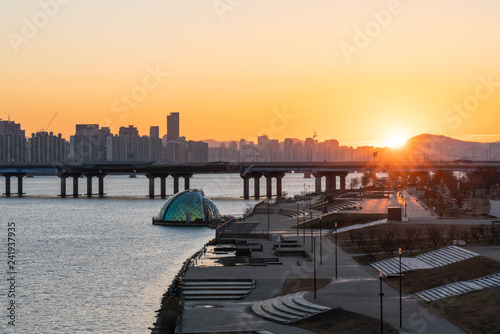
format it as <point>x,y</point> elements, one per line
<point>358,71</point>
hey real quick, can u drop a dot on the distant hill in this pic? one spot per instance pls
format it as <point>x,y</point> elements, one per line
<point>435,147</point>
<point>216,143</point>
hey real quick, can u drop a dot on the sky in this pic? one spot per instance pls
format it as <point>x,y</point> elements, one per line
<point>359,71</point>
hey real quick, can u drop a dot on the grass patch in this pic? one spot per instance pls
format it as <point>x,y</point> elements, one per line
<point>475,312</point>
<point>293,285</point>
<point>340,321</point>
<point>419,280</point>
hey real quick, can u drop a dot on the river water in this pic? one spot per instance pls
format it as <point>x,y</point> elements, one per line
<point>99,265</point>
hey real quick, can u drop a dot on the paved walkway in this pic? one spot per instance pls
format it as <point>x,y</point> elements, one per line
<point>356,289</point>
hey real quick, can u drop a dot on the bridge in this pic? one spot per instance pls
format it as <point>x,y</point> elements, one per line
<point>331,171</point>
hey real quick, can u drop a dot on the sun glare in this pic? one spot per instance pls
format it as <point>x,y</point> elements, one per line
<point>395,141</point>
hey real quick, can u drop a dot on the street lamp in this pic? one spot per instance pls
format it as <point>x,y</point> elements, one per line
<point>400,294</point>
<point>311,224</point>
<point>297,219</point>
<point>314,256</point>
<point>303,224</point>
<point>268,218</point>
<point>320,244</point>
<point>335,250</point>
<point>381,309</point>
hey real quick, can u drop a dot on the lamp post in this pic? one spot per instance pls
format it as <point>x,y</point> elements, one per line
<point>314,256</point>
<point>320,244</point>
<point>303,224</point>
<point>311,224</point>
<point>335,250</point>
<point>268,218</point>
<point>400,295</point>
<point>381,309</point>
<point>297,219</point>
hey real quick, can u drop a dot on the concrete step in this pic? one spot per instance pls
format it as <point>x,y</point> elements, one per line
<point>288,308</point>
<point>220,287</point>
<point>215,292</point>
<point>289,302</point>
<point>257,309</point>
<point>432,259</point>
<point>280,306</point>
<point>298,298</point>
<point>267,306</point>
<point>459,288</point>
<point>217,283</point>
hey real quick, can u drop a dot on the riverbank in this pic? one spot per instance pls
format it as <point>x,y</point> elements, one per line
<point>278,253</point>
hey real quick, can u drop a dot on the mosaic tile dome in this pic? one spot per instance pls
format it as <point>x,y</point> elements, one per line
<point>189,206</point>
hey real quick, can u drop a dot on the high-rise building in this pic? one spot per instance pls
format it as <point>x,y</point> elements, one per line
<point>154,132</point>
<point>131,131</point>
<point>88,143</point>
<point>12,142</point>
<point>46,147</point>
<point>173,126</point>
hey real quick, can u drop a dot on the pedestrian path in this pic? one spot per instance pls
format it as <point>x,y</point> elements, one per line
<point>433,259</point>
<point>217,289</point>
<point>459,288</point>
<point>288,308</point>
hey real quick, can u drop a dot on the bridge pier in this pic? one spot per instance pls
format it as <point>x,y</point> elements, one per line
<point>20,185</point>
<point>163,186</point>
<point>246,187</point>
<point>269,186</point>
<point>89,185</point>
<point>187,178</point>
<point>7,185</point>
<point>176,183</point>
<point>256,184</point>
<point>317,183</point>
<point>331,182</point>
<point>151,186</point>
<point>8,190</point>
<point>75,186</point>
<point>269,183</point>
<point>63,186</point>
<point>343,177</point>
<point>279,187</point>
<point>101,185</point>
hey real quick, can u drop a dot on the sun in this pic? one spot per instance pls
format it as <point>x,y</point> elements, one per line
<point>395,141</point>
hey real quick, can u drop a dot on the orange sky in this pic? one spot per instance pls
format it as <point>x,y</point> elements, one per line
<point>357,71</point>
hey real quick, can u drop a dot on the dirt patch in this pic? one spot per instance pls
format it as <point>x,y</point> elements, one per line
<point>475,312</point>
<point>293,285</point>
<point>340,321</point>
<point>419,280</point>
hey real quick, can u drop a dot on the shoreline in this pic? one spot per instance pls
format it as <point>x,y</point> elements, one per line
<point>171,305</point>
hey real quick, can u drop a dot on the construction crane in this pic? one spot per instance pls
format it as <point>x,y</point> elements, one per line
<point>48,125</point>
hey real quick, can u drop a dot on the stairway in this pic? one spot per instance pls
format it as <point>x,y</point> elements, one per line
<point>433,259</point>
<point>217,289</point>
<point>459,288</point>
<point>288,308</point>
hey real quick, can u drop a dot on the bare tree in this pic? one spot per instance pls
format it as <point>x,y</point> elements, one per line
<point>464,234</point>
<point>434,235</point>
<point>475,233</point>
<point>411,242</point>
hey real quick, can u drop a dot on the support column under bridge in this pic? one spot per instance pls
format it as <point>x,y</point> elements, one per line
<point>331,181</point>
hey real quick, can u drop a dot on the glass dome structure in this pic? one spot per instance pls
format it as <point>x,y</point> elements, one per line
<point>190,207</point>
